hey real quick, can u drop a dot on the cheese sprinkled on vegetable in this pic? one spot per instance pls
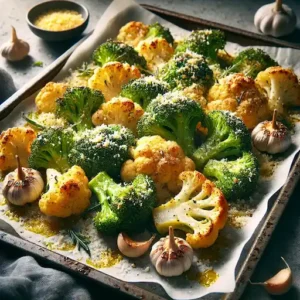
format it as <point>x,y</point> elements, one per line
<point>59,20</point>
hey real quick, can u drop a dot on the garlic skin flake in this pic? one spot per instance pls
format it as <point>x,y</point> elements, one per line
<point>271,136</point>
<point>131,248</point>
<point>24,185</point>
<point>280,283</point>
<point>171,255</point>
<point>16,49</point>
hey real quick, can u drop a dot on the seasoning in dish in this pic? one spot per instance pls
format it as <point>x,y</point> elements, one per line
<point>59,20</point>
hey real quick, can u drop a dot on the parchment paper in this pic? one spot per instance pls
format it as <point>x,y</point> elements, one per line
<point>119,13</point>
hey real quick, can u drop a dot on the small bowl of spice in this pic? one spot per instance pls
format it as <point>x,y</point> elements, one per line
<point>58,20</point>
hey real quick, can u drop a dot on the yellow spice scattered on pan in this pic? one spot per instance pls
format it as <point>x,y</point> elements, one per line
<point>59,20</point>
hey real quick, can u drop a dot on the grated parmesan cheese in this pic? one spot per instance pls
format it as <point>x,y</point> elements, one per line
<point>59,20</point>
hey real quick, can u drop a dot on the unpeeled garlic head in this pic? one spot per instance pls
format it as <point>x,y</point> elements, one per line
<point>16,49</point>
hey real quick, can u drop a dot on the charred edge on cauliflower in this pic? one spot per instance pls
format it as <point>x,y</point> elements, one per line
<point>250,62</point>
<point>185,69</point>
<point>227,136</point>
<point>112,51</point>
<point>125,207</point>
<point>236,179</point>
<point>144,90</point>
<point>173,117</point>
<point>104,148</point>
<point>204,42</point>
<point>78,105</point>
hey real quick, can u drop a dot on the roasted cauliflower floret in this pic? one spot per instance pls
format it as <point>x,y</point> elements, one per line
<point>15,141</point>
<point>68,193</point>
<point>111,77</point>
<point>239,94</point>
<point>119,110</point>
<point>195,92</point>
<point>45,100</point>
<point>200,209</point>
<point>160,159</point>
<point>282,87</point>
<point>132,33</point>
<point>157,51</point>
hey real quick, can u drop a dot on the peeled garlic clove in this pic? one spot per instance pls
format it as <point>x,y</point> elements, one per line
<point>280,283</point>
<point>131,248</point>
<point>16,49</point>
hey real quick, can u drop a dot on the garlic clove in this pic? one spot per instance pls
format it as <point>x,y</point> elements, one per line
<point>280,283</point>
<point>171,255</point>
<point>131,248</point>
<point>16,49</point>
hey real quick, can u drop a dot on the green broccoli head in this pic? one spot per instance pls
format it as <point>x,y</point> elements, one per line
<point>157,30</point>
<point>104,148</point>
<point>116,51</point>
<point>250,62</point>
<point>227,136</point>
<point>185,69</point>
<point>51,149</point>
<point>144,90</point>
<point>236,179</point>
<point>173,117</point>
<point>78,105</point>
<point>124,207</point>
<point>204,42</point>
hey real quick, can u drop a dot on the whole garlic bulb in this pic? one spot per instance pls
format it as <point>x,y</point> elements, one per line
<point>275,19</point>
<point>24,185</point>
<point>16,49</point>
<point>171,255</point>
<point>271,136</point>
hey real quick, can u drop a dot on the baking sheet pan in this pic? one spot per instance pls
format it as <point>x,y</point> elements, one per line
<point>261,237</point>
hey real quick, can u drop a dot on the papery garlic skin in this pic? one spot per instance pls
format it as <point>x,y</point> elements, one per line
<point>271,140</point>
<point>16,49</point>
<point>21,191</point>
<point>171,260</point>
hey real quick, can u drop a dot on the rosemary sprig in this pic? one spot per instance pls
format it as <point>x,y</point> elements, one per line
<point>80,241</point>
<point>92,208</point>
<point>85,70</point>
<point>33,123</point>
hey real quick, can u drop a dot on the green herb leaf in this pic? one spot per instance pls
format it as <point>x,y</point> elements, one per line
<point>85,70</point>
<point>80,241</point>
<point>38,64</point>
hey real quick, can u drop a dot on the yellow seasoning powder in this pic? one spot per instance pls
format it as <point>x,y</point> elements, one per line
<point>59,20</point>
<point>205,278</point>
<point>107,259</point>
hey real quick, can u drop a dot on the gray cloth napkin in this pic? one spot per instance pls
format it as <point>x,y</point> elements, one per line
<point>24,279</point>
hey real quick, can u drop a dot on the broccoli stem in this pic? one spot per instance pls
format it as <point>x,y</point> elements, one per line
<point>185,137</point>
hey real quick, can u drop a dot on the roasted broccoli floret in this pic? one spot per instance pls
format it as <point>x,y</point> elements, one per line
<point>124,207</point>
<point>237,178</point>
<point>112,51</point>
<point>173,117</point>
<point>144,90</point>
<point>51,149</point>
<point>185,69</point>
<point>227,136</point>
<point>200,210</point>
<point>250,62</point>
<point>157,30</point>
<point>104,148</point>
<point>78,105</point>
<point>204,42</point>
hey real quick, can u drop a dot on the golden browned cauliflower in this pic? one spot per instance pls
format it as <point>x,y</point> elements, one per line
<point>45,99</point>
<point>15,141</point>
<point>281,86</point>
<point>132,33</point>
<point>162,160</point>
<point>119,110</point>
<point>195,92</point>
<point>239,94</point>
<point>111,77</point>
<point>157,51</point>
<point>68,193</point>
